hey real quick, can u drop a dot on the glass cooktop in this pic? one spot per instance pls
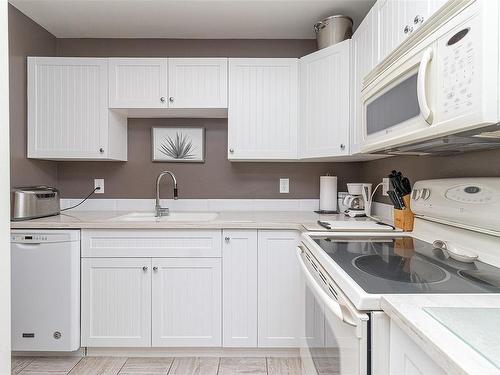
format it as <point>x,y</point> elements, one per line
<point>387,265</point>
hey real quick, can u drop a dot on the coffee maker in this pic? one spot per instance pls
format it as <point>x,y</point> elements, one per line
<point>358,199</point>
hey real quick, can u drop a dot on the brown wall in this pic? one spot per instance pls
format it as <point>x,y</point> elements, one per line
<point>216,178</point>
<point>472,164</point>
<point>26,38</point>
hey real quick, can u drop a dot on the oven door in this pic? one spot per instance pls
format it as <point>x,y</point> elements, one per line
<point>334,334</point>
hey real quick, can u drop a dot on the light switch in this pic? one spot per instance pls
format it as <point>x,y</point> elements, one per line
<point>284,185</point>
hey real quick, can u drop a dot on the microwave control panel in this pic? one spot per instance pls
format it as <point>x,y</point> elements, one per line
<point>457,56</point>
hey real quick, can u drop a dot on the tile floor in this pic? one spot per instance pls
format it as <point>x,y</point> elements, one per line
<point>154,366</point>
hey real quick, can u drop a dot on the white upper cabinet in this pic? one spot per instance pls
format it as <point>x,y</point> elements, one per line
<point>324,102</point>
<point>138,83</point>
<point>263,101</point>
<point>197,83</point>
<point>162,83</point>
<point>399,19</point>
<point>391,19</point>
<point>68,115</point>
<point>364,54</point>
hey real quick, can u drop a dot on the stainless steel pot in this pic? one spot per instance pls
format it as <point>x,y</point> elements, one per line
<point>332,30</point>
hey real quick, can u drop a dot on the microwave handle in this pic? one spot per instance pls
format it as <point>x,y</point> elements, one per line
<point>421,89</point>
<point>332,305</point>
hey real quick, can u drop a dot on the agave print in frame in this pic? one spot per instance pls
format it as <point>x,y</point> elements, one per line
<point>178,144</point>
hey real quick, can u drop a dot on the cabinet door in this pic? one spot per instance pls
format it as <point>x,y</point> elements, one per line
<point>197,83</point>
<point>324,101</point>
<point>262,123</point>
<point>391,15</point>
<point>364,52</point>
<point>407,358</point>
<point>116,302</point>
<point>67,107</point>
<point>279,289</point>
<point>138,83</point>
<point>186,302</point>
<point>239,289</point>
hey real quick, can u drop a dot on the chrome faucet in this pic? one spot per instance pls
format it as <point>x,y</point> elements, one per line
<point>159,210</point>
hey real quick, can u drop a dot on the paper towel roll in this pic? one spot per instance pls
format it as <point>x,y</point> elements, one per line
<point>328,193</point>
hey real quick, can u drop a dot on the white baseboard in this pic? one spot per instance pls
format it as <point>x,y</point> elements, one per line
<point>193,352</point>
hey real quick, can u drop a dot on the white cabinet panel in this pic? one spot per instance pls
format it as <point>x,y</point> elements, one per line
<point>324,102</point>
<point>364,54</point>
<point>197,82</point>
<point>186,302</point>
<point>116,302</point>
<point>391,16</point>
<point>279,289</point>
<point>407,358</point>
<point>68,115</point>
<point>186,243</point>
<point>262,123</point>
<point>239,290</point>
<point>138,83</point>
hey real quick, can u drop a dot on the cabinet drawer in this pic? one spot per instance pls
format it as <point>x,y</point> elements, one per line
<point>151,243</point>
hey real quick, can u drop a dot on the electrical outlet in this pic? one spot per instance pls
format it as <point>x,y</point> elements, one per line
<point>385,186</point>
<point>284,185</point>
<point>99,182</point>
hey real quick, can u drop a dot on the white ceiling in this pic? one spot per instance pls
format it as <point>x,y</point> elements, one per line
<point>198,19</point>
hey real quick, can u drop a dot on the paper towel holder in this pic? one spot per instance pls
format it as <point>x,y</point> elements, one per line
<point>328,212</point>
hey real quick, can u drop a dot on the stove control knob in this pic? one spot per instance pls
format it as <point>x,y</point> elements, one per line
<point>425,194</point>
<point>416,194</point>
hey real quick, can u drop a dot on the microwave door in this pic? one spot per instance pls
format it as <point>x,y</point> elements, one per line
<point>400,101</point>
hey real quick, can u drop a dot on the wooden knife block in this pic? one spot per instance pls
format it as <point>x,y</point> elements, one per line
<point>404,219</point>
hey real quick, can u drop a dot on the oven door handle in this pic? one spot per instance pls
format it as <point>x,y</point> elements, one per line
<point>332,305</point>
<point>421,86</point>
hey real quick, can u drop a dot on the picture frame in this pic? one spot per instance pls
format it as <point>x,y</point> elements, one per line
<point>178,144</point>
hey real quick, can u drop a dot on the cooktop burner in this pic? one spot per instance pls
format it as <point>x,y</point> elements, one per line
<point>388,265</point>
<point>398,268</point>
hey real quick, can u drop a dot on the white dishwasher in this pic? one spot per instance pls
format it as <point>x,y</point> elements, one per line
<point>45,290</point>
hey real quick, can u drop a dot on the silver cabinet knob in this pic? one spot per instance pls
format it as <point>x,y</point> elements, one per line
<point>144,268</point>
<point>408,29</point>
<point>418,19</point>
<point>342,146</point>
<point>226,239</point>
<point>155,268</point>
<point>162,99</point>
<point>171,99</point>
<point>231,150</point>
<point>101,150</point>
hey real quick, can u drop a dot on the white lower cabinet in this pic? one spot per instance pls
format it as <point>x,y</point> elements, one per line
<point>407,358</point>
<point>116,302</point>
<point>239,288</point>
<point>279,286</point>
<point>143,296</point>
<point>186,302</point>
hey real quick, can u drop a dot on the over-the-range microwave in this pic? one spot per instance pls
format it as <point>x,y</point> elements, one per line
<point>439,92</point>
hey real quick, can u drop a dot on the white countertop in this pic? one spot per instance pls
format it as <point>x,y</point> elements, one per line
<point>293,220</point>
<point>454,350</point>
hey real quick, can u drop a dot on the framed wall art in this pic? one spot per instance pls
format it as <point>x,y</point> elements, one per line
<point>179,144</point>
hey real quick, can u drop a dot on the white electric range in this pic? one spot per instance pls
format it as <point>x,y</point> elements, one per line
<point>346,273</point>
